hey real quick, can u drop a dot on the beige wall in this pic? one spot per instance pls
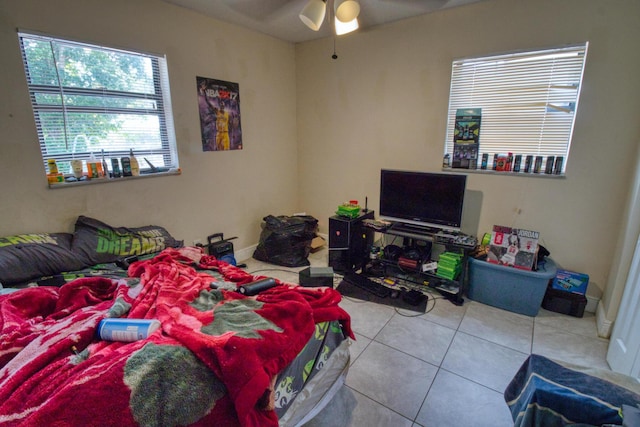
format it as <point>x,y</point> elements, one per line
<point>227,191</point>
<point>317,131</point>
<point>383,104</point>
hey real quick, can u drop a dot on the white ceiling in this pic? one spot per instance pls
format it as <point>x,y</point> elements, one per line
<point>279,18</point>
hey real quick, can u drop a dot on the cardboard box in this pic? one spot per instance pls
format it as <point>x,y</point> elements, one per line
<point>513,289</point>
<point>317,243</point>
<point>570,281</point>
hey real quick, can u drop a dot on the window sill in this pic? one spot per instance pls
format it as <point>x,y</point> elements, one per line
<point>503,173</point>
<point>57,185</point>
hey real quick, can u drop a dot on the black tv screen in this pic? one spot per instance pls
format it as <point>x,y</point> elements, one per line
<point>429,199</point>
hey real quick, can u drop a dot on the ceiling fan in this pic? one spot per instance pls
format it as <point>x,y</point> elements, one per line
<point>281,18</point>
<point>345,13</point>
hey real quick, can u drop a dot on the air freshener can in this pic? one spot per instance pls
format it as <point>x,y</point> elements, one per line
<point>127,330</point>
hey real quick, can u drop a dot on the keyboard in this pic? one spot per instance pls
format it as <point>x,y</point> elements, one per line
<point>367,284</point>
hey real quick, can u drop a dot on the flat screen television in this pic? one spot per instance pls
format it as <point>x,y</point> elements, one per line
<point>422,198</point>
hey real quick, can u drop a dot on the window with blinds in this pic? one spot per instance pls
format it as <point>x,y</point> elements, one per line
<point>528,102</point>
<point>93,100</point>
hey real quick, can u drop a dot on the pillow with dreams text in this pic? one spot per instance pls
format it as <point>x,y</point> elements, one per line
<point>96,242</point>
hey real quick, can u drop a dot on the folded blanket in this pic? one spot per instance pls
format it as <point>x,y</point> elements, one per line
<point>552,393</point>
<point>211,363</point>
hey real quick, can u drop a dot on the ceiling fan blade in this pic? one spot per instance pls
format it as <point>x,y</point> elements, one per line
<point>259,10</point>
<point>429,3</point>
<point>417,5</point>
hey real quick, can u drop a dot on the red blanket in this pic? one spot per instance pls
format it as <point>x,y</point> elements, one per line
<point>54,370</point>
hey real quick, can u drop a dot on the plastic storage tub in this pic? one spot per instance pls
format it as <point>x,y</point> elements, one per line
<point>509,288</point>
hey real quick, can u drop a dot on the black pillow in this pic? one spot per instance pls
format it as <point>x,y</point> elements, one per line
<point>30,256</point>
<point>96,242</point>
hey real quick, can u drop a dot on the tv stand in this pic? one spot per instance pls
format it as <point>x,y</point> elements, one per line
<point>403,227</point>
<point>418,237</point>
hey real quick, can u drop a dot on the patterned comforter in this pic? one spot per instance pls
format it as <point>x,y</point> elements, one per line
<point>214,361</point>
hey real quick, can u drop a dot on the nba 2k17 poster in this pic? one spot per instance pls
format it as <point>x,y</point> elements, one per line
<point>219,107</point>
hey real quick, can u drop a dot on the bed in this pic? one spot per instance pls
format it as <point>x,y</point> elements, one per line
<point>219,358</point>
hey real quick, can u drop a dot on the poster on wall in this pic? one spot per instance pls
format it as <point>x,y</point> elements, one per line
<point>466,138</point>
<point>219,108</point>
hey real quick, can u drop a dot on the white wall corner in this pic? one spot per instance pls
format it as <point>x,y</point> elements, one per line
<point>603,325</point>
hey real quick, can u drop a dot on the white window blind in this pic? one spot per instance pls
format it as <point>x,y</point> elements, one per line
<point>90,99</point>
<point>528,101</point>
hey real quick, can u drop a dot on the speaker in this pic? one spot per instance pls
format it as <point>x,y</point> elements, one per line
<point>349,242</point>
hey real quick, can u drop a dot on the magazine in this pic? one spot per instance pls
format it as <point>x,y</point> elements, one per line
<point>514,247</point>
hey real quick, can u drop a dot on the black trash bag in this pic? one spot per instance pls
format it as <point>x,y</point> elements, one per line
<point>286,240</point>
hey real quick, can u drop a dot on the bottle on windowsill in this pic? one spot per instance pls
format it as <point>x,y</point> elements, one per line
<point>135,166</point>
<point>126,166</point>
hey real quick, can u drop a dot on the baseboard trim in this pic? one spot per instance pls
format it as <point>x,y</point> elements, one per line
<point>603,325</point>
<point>245,253</point>
<point>592,304</point>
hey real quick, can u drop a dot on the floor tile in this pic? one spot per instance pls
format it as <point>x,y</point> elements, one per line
<point>392,378</point>
<point>285,274</point>
<point>454,402</point>
<point>585,325</point>
<point>444,312</point>
<point>367,318</point>
<point>357,346</point>
<point>352,409</point>
<point>481,361</point>
<point>499,326</point>
<point>425,340</point>
<point>569,347</point>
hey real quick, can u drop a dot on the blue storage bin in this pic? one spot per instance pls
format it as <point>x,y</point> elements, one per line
<point>509,288</point>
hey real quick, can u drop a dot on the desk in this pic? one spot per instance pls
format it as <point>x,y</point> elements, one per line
<point>424,239</point>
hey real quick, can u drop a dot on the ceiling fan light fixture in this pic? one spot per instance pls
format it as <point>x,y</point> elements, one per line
<point>346,27</point>
<point>346,10</point>
<point>313,14</point>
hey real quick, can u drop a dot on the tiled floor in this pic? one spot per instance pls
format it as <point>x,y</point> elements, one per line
<point>447,367</point>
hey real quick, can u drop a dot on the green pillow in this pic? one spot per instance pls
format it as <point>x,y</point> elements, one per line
<point>96,242</point>
<point>30,256</point>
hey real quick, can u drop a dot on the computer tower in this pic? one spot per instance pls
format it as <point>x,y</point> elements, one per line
<point>349,242</point>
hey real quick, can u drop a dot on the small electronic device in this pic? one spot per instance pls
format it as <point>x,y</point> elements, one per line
<point>218,246</point>
<point>316,276</point>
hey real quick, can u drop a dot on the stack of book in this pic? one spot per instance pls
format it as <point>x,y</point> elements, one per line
<point>449,265</point>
